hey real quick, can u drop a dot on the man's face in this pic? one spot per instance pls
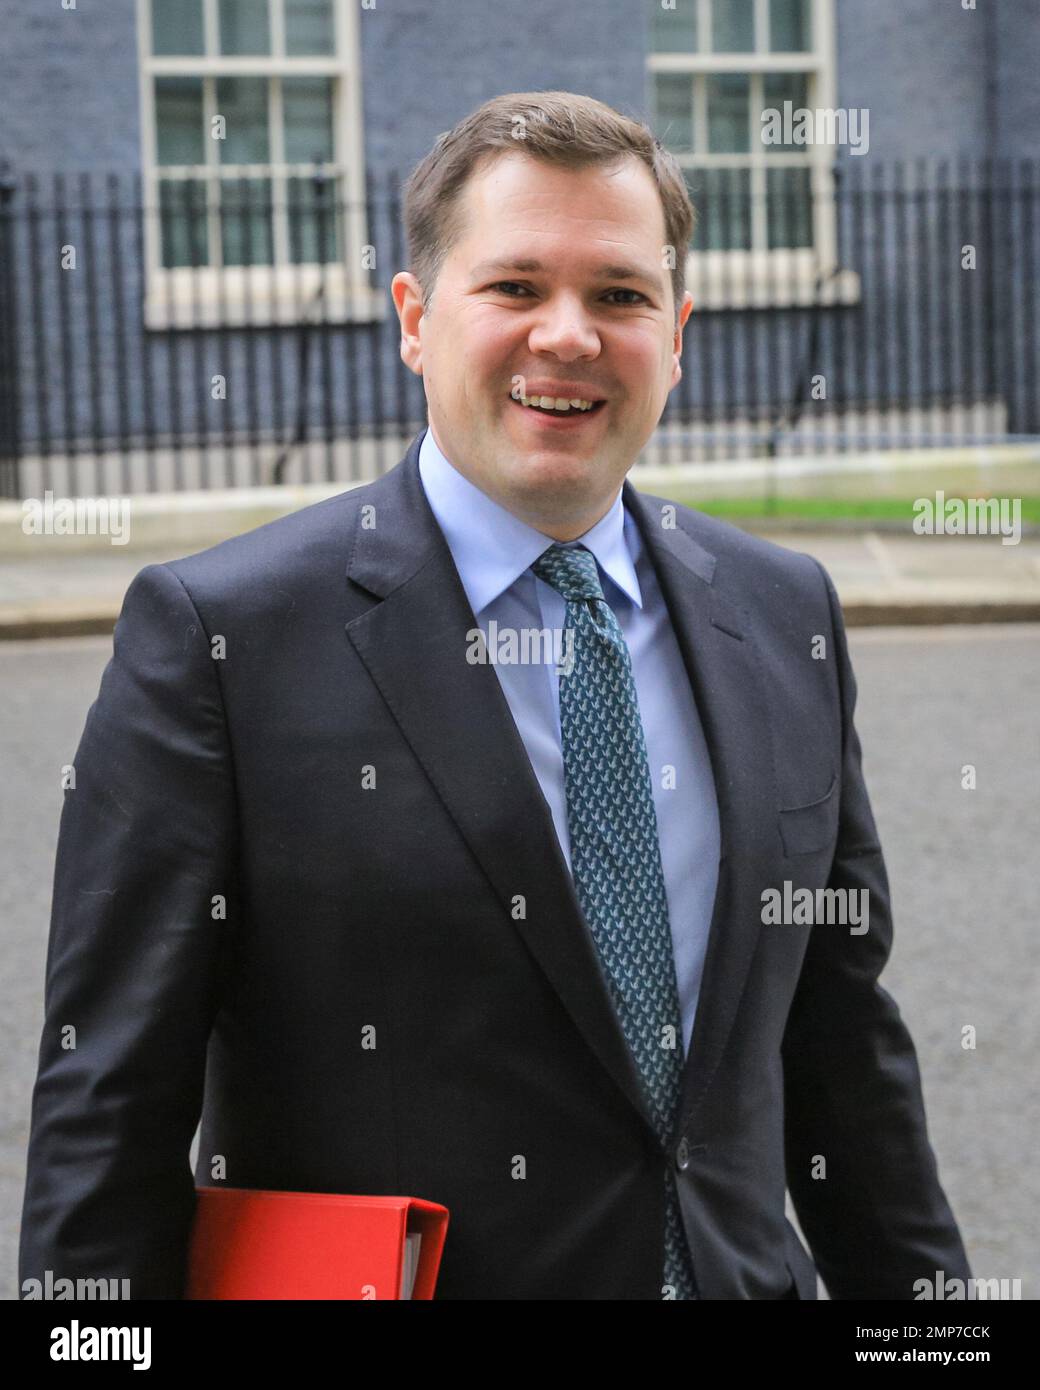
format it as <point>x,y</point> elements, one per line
<point>571,327</point>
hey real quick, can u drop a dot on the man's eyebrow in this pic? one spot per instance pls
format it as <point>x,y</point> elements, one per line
<point>527,264</point>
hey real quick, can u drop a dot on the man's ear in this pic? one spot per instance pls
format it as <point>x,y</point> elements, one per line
<point>407,293</point>
<point>684,314</point>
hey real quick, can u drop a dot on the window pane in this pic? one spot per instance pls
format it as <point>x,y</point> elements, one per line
<point>789,208</point>
<point>673,111</point>
<point>242,101</point>
<point>728,101</point>
<point>244,27</point>
<point>178,120</point>
<point>777,88</point>
<point>790,26</point>
<point>314,231</point>
<point>674,31</point>
<point>733,26</point>
<point>308,27</point>
<point>307,105</point>
<point>722,198</point>
<point>245,221</point>
<point>177,27</point>
<point>182,222</point>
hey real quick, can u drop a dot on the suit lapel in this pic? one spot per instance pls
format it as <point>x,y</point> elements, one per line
<point>725,674</point>
<point>459,725</point>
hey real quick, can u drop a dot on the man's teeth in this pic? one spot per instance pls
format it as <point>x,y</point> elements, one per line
<point>555,403</point>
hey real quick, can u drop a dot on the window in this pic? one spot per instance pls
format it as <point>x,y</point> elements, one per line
<point>252,161</point>
<point>715,66</point>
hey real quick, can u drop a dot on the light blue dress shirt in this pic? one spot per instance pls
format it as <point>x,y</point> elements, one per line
<point>493,551</point>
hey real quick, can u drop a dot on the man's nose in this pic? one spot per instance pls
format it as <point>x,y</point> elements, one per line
<point>563,325</point>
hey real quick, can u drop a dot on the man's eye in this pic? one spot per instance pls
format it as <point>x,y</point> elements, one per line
<point>503,284</point>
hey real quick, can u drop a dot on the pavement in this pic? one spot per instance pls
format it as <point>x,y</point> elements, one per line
<point>884,577</point>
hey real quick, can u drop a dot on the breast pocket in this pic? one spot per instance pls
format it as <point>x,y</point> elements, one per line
<point>807,829</point>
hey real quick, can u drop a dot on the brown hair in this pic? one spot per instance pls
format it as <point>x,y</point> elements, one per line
<point>561,128</point>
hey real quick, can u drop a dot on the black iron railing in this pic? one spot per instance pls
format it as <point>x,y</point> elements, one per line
<point>158,337</point>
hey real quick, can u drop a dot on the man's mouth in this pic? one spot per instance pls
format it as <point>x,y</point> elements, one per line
<point>558,406</point>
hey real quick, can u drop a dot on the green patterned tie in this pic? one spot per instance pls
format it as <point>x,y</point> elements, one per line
<point>616,856</point>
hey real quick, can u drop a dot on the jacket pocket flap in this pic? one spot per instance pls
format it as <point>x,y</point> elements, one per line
<point>805,829</point>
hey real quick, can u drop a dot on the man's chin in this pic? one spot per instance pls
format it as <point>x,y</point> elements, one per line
<point>549,492</point>
<point>553,473</point>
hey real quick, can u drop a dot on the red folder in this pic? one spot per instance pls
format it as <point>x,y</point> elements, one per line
<point>248,1243</point>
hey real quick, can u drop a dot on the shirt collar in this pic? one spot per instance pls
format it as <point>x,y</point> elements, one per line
<point>492,548</point>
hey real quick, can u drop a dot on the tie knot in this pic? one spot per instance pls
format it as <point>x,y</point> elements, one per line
<point>571,572</point>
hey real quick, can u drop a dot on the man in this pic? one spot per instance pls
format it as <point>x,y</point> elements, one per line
<point>407,902</point>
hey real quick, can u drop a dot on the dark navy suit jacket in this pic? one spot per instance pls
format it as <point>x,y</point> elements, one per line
<point>239,914</point>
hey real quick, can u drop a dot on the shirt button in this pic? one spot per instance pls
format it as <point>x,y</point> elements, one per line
<point>682,1155</point>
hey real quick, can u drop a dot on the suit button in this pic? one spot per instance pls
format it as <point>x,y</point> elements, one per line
<point>682,1155</point>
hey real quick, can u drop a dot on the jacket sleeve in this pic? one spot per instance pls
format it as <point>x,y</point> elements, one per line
<point>879,1219</point>
<point>136,958</point>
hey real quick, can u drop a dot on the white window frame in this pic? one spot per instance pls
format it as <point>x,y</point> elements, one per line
<point>783,276</point>
<point>261,295</point>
